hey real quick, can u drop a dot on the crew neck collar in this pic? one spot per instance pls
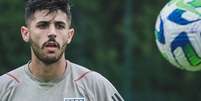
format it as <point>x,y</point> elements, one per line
<point>49,82</point>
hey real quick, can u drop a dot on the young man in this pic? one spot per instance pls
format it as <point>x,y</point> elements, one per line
<point>49,76</point>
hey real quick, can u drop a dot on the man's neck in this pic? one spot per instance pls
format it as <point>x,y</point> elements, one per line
<point>48,72</point>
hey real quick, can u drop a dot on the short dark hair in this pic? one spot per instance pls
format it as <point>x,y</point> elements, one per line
<point>32,6</point>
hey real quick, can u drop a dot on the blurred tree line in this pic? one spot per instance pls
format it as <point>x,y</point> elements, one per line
<point>114,38</point>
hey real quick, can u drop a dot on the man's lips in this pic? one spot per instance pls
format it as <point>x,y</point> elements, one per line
<point>51,45</point>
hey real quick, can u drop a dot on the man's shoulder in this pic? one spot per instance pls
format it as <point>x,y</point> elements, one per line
<point>87,76</point>
<point>83,73</point>
<point>11,78</point>
<point>95,84</point>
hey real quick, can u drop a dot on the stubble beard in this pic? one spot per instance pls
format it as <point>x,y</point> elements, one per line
<point>38,52</point>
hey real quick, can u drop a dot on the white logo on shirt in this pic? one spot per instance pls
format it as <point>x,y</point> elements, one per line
<point>74,99</point>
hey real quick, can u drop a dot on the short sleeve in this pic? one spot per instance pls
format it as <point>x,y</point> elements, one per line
<point>104,90</point>
<point>7,88</point>
<point>98,88</point>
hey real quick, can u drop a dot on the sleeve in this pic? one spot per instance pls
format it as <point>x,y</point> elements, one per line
<point>98,88</point>
<point>104,90</point>
<point>6,88</point>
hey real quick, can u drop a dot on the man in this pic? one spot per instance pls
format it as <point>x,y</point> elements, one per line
<point>48,76</point>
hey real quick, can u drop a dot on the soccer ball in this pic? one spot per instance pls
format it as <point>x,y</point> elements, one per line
<point>178,33</point>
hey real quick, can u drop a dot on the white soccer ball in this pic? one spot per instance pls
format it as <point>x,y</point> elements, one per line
<point>178,33</point>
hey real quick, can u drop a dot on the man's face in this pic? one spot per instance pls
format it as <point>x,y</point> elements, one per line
<point>48,35</point>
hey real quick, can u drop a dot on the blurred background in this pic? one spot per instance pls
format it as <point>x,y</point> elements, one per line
<point>114,38</point>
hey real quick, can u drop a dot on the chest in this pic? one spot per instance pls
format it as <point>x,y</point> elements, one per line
<point>46,92</point>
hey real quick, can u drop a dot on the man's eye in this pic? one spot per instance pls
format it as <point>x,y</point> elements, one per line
<point>59,26</point>
<point>42,26</point>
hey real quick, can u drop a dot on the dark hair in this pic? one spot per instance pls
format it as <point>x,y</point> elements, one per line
<point>52,5</point>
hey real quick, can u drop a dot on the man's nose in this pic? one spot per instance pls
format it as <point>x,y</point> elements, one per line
<point>52,31</point>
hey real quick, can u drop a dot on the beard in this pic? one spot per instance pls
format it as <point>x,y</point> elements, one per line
<point>44,57</point>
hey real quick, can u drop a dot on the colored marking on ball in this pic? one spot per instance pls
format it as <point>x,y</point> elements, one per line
<point>190,6</point>
<point>160,34</point>
<point>195,3</point>
<point>182,41</point>
<point>176,17</point>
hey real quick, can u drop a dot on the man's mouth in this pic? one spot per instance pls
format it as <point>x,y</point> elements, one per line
<point>51,45</point>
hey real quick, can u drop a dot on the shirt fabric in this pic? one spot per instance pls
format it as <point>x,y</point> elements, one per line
<point>77,84</point>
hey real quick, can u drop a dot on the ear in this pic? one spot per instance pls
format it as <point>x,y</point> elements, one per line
<point>70,35</point>
<point>25,33</point>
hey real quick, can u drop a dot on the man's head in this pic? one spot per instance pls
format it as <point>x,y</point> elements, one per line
<point>51,5</point>
<point>48,29</point>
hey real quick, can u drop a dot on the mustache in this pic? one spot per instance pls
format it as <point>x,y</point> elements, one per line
<point>51,42</point>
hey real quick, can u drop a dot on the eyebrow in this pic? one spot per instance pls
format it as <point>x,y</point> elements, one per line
<point>40,22</point>
<point>47,22</point>
<point>60,22</point>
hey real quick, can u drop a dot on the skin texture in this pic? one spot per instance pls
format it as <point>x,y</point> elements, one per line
<point>48,35</point>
